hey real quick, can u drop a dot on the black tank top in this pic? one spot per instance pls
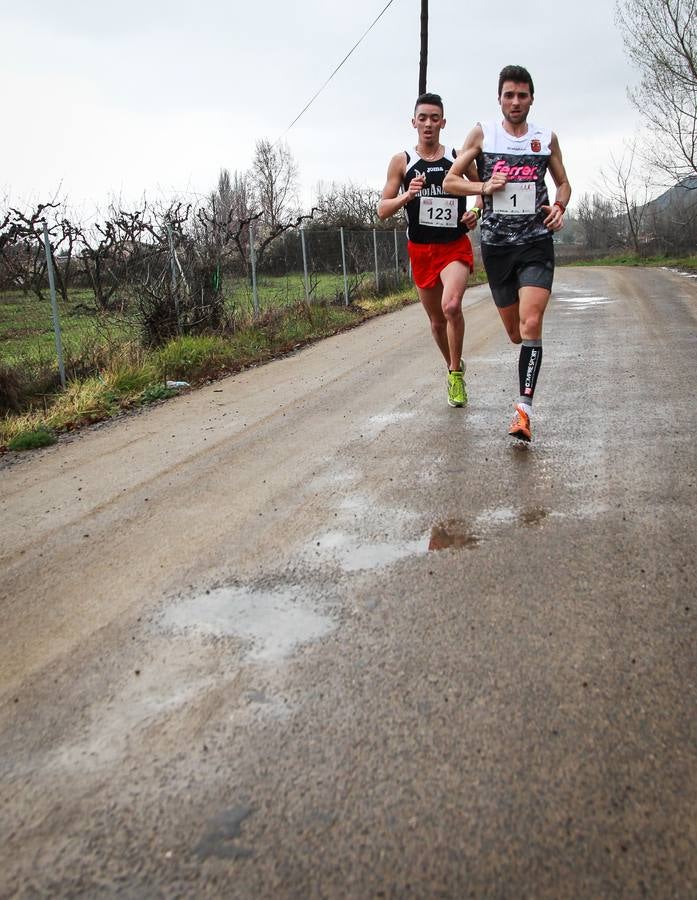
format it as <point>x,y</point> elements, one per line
<point>434,216</point>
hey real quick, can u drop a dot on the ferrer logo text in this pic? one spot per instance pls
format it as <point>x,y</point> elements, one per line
<point>515,173</point>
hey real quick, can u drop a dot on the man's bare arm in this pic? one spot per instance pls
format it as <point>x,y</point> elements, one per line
<point>555,213</point>
<point>392,201</point>
<point>455,181</point>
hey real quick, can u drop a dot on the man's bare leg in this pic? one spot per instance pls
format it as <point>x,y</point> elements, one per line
<point>431,299</point>
<point>454,277</point>
<point>510,316</point>
<point>531,309</point>
<point>533,303</point>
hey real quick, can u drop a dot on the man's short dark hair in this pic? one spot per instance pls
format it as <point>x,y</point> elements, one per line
<point>517,74</point>
<point>430,99</point>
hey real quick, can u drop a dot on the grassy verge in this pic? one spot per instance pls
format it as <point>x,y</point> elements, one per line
<point>131,376</point>
<point>687,263</point>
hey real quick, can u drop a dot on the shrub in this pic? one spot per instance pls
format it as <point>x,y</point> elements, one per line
<point>31,440</point>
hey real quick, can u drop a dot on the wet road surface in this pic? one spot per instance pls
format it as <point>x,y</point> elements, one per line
<point>309,632</point>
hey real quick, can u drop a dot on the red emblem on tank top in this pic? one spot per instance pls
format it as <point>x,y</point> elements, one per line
<point>535,145</point>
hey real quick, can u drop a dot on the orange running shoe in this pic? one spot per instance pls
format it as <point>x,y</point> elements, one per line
<point>520,426</point>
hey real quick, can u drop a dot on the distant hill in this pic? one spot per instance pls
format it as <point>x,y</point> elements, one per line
<point>681,194</point>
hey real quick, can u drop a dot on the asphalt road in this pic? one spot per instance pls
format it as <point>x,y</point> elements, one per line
<point>309,632</point>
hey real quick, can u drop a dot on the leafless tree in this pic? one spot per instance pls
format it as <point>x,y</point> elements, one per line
<point>96,256</point>
<point>22,247</point>
<point>118,251</point>
<point>348,204</point>
<point>671,221</point>
<point>599,220</point>
<point>228,206</point>
<point>660,37</point>
<point>64,247</point>
<point>13,249</point>
<point>274,183</point>
<point>629,194</point>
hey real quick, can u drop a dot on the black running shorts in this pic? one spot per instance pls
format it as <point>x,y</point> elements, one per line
<point>516,266</point>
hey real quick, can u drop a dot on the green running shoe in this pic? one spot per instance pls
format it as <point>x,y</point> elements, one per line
<point>457,392</point>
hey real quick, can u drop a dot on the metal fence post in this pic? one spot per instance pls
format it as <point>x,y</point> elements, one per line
<point>173,263</point>
<point>253,260</point>
<point>302,241</point>
<point>375,251</point>
<point>285,263</point>
<point>343,265</point>
<point>54,306</point>
<point>396,258</point>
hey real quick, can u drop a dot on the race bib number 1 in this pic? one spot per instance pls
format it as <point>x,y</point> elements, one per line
<point>440,212</point>
<point>516,199</point>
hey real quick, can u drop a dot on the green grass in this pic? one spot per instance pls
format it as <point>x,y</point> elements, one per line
<point>128,375</point>
<point>26,326</point>
<point>26,323</point>
<point>275,291</point>
<point>32,439</point>
<point>629,259</point>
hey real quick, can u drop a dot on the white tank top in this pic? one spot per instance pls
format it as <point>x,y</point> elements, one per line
<point>514,215</point>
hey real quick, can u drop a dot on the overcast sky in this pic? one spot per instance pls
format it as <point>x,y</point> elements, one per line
<point>155,96</point>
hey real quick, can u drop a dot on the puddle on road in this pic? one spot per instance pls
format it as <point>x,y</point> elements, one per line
<point>588,510</point>
<point>273,624</point>
<point>217,842</point>
<point>460,535</point>
<point>385,419</point>
<point>378,423</point>
<point>270,625</point>
<point>452,534</point>
<point>576,303</point>
<point>533,515</point>
<point>679,272</point>
<point>503,515</point>
<point>353,555</point>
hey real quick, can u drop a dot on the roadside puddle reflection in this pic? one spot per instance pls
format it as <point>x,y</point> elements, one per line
<point>452,533</point>
<point>577,303</point>
<point>353,555</point>
<point>272,624</point>
<point>533,515</point>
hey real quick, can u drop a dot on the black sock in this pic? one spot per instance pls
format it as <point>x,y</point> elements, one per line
<point>529,368</point>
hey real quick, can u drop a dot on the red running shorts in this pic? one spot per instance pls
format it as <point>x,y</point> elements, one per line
<point>429,260</point>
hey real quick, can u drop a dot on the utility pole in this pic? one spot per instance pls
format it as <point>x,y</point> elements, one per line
<point>423,61</point>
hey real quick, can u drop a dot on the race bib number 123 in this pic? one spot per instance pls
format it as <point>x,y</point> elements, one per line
<point>440,212</point>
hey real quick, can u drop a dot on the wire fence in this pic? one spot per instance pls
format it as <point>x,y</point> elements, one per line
<point>323,264</point>
<point>63,315</point>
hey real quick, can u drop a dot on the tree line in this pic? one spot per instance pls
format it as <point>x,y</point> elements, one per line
<point>167,260</point>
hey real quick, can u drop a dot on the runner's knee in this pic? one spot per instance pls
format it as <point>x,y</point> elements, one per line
<point>531,324</point>
<point>452,307</point>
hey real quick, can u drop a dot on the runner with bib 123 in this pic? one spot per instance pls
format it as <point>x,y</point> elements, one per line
<point>439,248</point>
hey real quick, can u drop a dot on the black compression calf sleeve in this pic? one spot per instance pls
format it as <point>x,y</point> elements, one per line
<point>529,363</point>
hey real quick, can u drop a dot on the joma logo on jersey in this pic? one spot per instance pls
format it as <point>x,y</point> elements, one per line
<point>515,173</point>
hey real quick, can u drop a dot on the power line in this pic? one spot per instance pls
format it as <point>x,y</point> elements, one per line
<point>314,97</point>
